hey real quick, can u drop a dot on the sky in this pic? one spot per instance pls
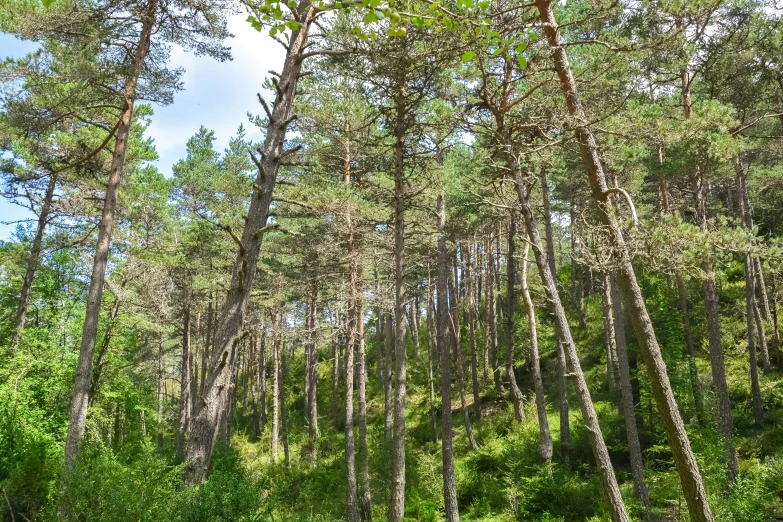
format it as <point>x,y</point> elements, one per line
<point>217,96</point>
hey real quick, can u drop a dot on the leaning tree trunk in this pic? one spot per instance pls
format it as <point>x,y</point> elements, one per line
<point>511,267</point>
<point>600,452</point>
<point>444,334</point>
<point>81,389</point>
<point>544,437</point>
<point>562,389</point>
<point>685,462</point>
<point>626,394</point>
<point>32,261</point>
<point>232,316</point>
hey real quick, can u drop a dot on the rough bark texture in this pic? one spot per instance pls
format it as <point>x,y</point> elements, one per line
<point>275,390</point>
<point>544,436</point>
<point>232,316</point>
<point>511,330</point>
<point>750,300</point>
<point>185,399</point>
<point>32,261</point>
<point>626,395</point>
<point>457,343</point>
<point>693,372</point>
<point>492,321</point>
<point>79,401</point>
<point>685,462</point>
<point>597,444</point>
<point>609,334</point>
<point>397,501</point>
<point>444,334</point>
<point>365,494</point>
<point>312,369</point>
<point>470,276</point>
<point>431,326</point>
<point>388,390</point>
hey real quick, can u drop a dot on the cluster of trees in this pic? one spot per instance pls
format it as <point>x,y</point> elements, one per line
<point>454,208</point>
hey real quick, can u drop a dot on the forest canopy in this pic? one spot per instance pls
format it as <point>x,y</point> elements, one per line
<point>487,260</point>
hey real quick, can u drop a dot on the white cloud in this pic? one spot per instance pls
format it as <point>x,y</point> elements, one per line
<point>217,95</point>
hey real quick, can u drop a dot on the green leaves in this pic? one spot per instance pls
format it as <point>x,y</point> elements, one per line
<point>468,56</point>
<point>47,3</point>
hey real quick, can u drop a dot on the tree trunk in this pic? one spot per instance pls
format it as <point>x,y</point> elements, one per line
<point>283,406</point>
<point>544,437</point>
<point>276,349</point>
<point>600,452</point>
<point>397,502</point>
<point>609,334</point>
<point>161,398</point>
<point>457,343</point>
<point>750,299</point>
<point>698,396</point>
<point>32,261</point>
<point>511,267</point>
<point>444,334</point>
<point>365,494</point>
<point>431,326</point>
<point>234,310</point>
<point>336,372</point>
<point>685,462</point>
<point>762,337</point>
<point>388,408</point>
<point>79,401</point>
<point>312,369</point>
<point>470,274</point>
<point>626,394</point>
<point>413,322</point>
<point>185,400</point>
<point>492,335</point>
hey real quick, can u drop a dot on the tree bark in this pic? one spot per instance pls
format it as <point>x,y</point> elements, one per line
<point>432,327</point>
<point>685,462</point>
<point>544,436</point>
<point>232,316</point>
<point>78,413</point>
<point>444,334</point>
<point>511,268</point>
<point>750,299</point>
<point>609,334</point>
<point>626,394</point>
<point>457,343</point>
<point>365,494</point>
<point>388,390</point>
<point>470,275</point>
<point>32,261</point>
<point>312,369</point>
<point>492,320</point>
<point>185,399</point>
<point>276,349</point>
<point>397,502</point>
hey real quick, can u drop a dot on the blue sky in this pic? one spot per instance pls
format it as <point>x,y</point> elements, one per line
<point>216,95</point>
